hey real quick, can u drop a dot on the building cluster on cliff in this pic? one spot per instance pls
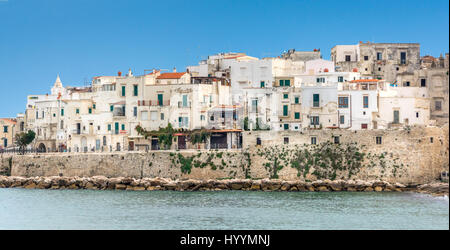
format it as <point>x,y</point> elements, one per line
<point>364,86</point>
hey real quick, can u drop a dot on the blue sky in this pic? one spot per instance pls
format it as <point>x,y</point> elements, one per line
<point>79,39</point>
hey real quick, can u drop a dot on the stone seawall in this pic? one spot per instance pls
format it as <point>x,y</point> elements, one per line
<point>413,156</point>
<point>151,184</point>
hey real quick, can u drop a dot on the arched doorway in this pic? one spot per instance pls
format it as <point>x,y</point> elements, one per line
<point>41,148</point>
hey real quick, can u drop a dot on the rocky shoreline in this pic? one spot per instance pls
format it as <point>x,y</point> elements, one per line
<point>127,183</point>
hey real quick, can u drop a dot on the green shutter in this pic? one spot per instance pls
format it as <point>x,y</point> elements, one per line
<point>135,90</point>
<point>287,83</point>
<point>90,110</point>
<point>160,99</point>
<point>77,111</point>
<point>297,100</point>
<point>62,112</point>
<point>109,127</point>
<point>297,115</point>
<point>285,110</point>
<point>281,82</point>
<point>123,90</point>
<point>123,126</point>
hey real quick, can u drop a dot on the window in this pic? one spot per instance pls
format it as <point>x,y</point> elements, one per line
<point>297,115</point>
<point>336,139</point>
<point>286,126</point>
<point>285,96</point>
<point>93,105</point>
<point>258,141</point>
<point>153,115</point>
<point>211,118</point>
<point>123,90</point>
<point>423,82</point>
<point>378,139</point>
<point>5,142</point>
<point>5,129</point>
<point>314,120</point>
<point>402,57</point>
<point>431,139</point>
<point>109,127</point>
<point>343,102</point>
<point>202,117</point>
<point>340,79</point>
<point>285,110</point>
<point>341,119</point>
<point>379,69</point>
<point>417,114</point>
<point>135,111</point>
<point>123,126</point>
<point>347,58</point>
<point>438,105</point>
<point>90,110</point>
<point>135,90</point>
<point>77,111</point>
<point>287,83</point>
<point>54,115</point>
<point>314,140</point>
<point>363,125</point>
<point>286,140</point>
<point>297,100</point>
<point>263,84</point>
<point>281,82</point>
<point>144,115</point>
<point>365,101</point>
<point>223,114</point>
<point>62,112</point>
<point>185,100</point>
<point>98,127</point>
<point>406,84</point>
<point>316,100</point>
<point>104,140</point>
<point>320,79</point>
<point>162,116</point>
<point>61,125</point>
<point>111,108</point>
<point>366,58</point>
<point>379,56</point>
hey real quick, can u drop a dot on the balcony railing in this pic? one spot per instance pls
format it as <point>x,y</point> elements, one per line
<point>153,103</point>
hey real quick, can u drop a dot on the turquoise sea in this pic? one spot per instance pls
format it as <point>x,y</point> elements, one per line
<point>88,209</point>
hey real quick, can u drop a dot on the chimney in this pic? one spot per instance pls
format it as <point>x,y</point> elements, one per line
<point>119,73</point>
<point>174,69</point>
<point>130,73</point>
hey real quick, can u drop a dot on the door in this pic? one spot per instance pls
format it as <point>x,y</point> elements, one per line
<point>181,142</point>
<point>131,145</point>
<point>396,116</point>
<point>160,99</point>
<point>116,128</point>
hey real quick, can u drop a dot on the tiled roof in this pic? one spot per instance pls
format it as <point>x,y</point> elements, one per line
<point>174,75</point>
<point>9,120</point>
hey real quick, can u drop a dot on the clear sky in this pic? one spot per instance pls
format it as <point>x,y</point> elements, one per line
<point>80,39</point>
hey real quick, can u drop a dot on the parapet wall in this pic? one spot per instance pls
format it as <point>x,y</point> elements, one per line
<point>417,155</point>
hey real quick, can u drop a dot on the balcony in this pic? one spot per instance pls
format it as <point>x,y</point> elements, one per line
<point>153,103</point>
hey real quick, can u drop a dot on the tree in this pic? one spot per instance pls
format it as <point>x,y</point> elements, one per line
<point>23,139</point>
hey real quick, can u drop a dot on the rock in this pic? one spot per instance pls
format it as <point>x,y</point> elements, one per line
<point>91,186</point>
<point>153,188</point>
<point>139,188</point>
<point>121,186</point>
<point>322,189</point>
<point>378,189</point>
<point>285,186</point>
<point>368,189</point>
<point>255,187</point>
<point>236,186</point>
<point>293,189</point>
<point>31,185</point>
